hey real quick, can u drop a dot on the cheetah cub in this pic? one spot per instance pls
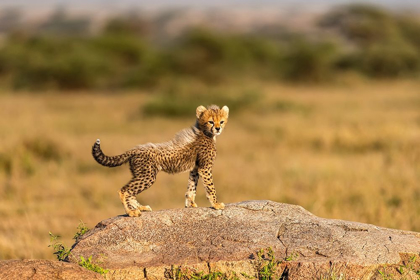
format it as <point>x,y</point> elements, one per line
<point>192,149</point>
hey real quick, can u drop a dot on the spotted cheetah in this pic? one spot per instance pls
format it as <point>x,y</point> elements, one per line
<point>192,149</point>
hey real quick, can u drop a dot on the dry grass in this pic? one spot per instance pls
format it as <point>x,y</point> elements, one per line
<point>341,152</point>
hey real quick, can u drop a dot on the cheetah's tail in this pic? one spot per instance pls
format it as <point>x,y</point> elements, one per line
<point>105,160</point>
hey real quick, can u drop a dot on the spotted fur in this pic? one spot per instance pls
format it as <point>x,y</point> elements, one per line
<point>192,149</point>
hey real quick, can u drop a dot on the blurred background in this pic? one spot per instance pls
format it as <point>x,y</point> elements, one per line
<point>324,101</point>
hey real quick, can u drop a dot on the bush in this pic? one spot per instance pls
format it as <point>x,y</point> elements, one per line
<point>410,30</point>
<point>39,63</point>
<point>306,61</point>
<point>377,44</point>
<point>175,103</point>
<point>128,24</point>
<point>389,60</point>
<point>384,45</point>
<point>215,57</point>
<point>76,63</point>
<point>361,23</point>
<point>134,63</point>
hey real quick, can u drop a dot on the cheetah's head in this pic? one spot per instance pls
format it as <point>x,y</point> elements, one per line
<point>212,120</point>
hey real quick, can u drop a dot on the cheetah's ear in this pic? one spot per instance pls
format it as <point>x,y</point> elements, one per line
<point>200,110</point>
<point>225,110</point>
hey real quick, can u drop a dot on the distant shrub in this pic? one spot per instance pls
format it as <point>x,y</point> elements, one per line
<point>285,106</point>
<point>344,145</point>
<point>6,163</point>
<point>361,23</point>
<point>410,30</point>
<point>134,62</point>
<point>216,57</point>
<point>42,62</point>
<point>374,42</point>
<point>101,62</point>
<point>306,61</point>
<point>127,24</point>
<point>384,44</point>
<point>202,54</point>
<point>44,149</point>
<point>183,104</point>
<point>169,106</point>
<point>389,60</point>
<point>61,24</point>
<point>127,49</point>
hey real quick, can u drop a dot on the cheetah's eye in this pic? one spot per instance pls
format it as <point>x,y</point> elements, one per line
<point>222,122</point>
<point>211,122</point>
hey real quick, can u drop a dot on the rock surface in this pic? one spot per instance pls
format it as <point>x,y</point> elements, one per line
<point>44,269</point>
<point>156,244</point>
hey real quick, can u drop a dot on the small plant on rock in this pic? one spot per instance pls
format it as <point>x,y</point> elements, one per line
<point>88,264</point>
<point>410,267</point>
<point>385,276</point>
<point>267,264</point>
<point>333,274</point>
<point>185,274</point>
<point>81,229</point>
<point>60,250</point>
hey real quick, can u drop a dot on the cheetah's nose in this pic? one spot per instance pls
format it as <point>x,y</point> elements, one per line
<point>218,128</point>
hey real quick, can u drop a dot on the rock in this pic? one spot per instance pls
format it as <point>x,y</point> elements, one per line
<point>44,269</point>
<point>159,244</point>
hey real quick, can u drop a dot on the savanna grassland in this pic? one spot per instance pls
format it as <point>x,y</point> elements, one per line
<point>345,151</point>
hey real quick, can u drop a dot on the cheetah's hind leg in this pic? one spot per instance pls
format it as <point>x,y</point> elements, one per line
<point>128,196</point>
<point>129,202</point>
<point>132,207</point>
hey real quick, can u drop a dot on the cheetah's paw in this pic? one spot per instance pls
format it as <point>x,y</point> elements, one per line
<point>191,205</point>
<point>219,206</point>
<point>144,208</point>
<point>134,213</point>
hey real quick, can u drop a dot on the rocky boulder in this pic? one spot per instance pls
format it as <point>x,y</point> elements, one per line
<point>177,242</point>
<point>44,269</point>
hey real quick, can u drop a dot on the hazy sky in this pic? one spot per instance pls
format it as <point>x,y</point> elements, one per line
<point>89,4</point>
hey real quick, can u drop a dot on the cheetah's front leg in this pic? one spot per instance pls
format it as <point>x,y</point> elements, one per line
<point>191,189</point>
<point>207,176</point>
